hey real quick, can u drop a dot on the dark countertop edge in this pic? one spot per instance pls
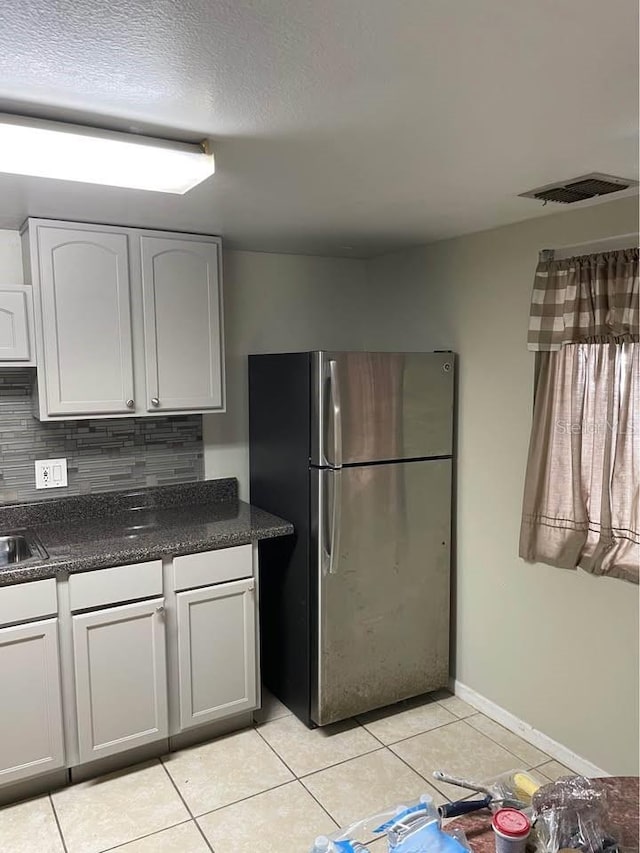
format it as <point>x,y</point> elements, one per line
<point>53,567</point>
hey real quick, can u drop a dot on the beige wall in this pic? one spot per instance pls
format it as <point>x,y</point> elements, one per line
<point>277,303</point>
<point>559,649</point>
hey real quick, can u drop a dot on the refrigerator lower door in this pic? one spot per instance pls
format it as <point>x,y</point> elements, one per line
<point>382,549</point>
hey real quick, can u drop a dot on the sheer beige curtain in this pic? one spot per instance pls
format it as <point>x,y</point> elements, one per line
<point>582,491</point>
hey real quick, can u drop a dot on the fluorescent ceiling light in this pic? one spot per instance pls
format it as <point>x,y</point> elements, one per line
<point>47,149</point>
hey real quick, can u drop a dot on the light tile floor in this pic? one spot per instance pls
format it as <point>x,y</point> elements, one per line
<point>273,787</point>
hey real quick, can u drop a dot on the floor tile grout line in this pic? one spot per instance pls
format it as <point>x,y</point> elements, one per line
<point>206,840</point>
<point>341,762</point>
<point>193,818</point>
<point>533,746</point>
<point>322,806</point>
<point>319,769</point>
<point>279,757</point>
<point>497,742</point>
<point>55,817</point>
<point>177,790</point>
<point>548,761</point>
<point>139,838</point>
<point>417,734</point>
<point>383,745</point>
<point>142,837</point>
<point>421,775</point>
<point>462,720</point>
<point>432,783</point>
<point>299,780</point>
<point>243,799</point>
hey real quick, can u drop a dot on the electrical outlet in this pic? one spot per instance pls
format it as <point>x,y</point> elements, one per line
<point>51,473</point>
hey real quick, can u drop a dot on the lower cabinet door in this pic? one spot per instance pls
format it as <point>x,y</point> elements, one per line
<point>216,652</point>
<point>121,680</point>
<point>31,733</point>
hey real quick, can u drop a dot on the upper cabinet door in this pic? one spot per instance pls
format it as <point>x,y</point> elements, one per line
<point>14,323</point>
<point>86,321</point>
<point>182,324</point>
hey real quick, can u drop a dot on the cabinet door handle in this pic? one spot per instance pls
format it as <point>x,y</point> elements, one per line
<point>160,608</point>
<point>130,404</point>
<point>155,402</point>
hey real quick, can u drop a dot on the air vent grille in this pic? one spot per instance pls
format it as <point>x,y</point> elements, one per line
<point>580,189</point>
<point>563,195</point>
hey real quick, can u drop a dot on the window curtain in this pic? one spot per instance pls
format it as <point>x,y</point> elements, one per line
<point>582,490</point>
<point>589,299</point>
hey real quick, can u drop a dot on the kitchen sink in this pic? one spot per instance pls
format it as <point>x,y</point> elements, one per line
<point>19,547</point>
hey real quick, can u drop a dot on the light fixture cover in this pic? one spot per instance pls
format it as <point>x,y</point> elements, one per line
<point>47,149</point>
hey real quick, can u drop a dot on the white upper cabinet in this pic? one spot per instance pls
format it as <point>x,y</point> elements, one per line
<point>86,321</point>
<point>16,337</point>
<point>128,322</point>
<point>182,329</point>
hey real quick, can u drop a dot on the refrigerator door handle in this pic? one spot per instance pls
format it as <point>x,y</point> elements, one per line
<point>334,389</point>
<point>335,521</point>
<point>329,519</point>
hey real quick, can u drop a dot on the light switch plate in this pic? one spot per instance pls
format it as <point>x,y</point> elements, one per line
<point>51,473</point>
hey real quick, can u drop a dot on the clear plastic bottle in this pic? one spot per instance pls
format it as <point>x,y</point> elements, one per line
<point>323,845</point>
<point>326,845</point>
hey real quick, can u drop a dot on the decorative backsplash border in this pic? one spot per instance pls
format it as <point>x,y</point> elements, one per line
<point>102,455</point>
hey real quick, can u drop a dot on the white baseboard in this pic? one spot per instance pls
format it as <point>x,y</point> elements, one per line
<point>537,738</point>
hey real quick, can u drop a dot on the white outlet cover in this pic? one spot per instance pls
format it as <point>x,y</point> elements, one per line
<point>51,473</point>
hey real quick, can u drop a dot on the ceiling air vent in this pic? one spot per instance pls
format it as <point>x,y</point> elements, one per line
<point>580,189</point>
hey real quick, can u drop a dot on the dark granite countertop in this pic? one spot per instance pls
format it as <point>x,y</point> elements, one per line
<point>98,531</point>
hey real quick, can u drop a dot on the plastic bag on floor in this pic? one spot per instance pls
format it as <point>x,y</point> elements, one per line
<point>571,814</point>
<point>409,828</point>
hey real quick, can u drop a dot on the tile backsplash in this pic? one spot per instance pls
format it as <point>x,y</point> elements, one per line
<point>102,455</point>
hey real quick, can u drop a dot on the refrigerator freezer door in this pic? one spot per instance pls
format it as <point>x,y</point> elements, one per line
<point>376,406</point>
<point>382,585</point>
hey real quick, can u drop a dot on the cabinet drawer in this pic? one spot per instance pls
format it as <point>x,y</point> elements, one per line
<point>210,567</point>
<point>111,586</point>
<point>28,601</point>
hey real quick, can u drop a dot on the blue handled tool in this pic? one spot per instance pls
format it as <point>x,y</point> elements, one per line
<point>464,807</point>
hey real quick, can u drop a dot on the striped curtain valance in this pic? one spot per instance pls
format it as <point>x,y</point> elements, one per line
<point>587,299</point>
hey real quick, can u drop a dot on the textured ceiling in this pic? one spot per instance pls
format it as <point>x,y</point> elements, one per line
<point>371,124</point>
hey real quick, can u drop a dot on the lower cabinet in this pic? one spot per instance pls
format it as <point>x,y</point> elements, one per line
<point>121,681</point>
<point>31,731</point>
<point>107,654</point>
<point>216,652</point>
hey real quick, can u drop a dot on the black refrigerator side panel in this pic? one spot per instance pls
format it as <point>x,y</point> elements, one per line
<point>279,431</point>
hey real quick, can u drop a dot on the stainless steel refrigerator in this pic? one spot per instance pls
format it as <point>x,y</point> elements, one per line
<point>355,448</point>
